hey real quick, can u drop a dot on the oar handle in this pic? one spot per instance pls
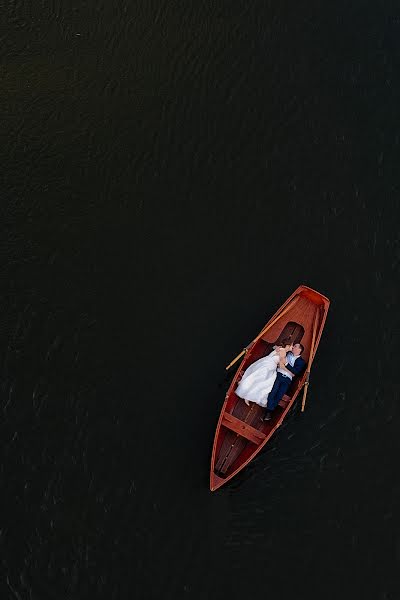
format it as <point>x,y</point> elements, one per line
<point>236,358</point>
<point>304,399</point>
<point>310,361</point>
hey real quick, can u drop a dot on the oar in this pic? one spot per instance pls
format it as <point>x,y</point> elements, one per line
<point>311,358</point>
<point>263,331</point>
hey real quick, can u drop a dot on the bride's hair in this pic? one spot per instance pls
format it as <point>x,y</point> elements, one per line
<point>285,342</point>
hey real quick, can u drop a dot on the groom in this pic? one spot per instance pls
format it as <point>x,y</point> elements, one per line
<point>295,364</point>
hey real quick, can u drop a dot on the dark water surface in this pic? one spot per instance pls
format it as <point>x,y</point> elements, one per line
<point>171,172</point>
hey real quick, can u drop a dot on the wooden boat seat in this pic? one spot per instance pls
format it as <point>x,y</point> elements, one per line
<point>244,429</point>
<point>292,330</point>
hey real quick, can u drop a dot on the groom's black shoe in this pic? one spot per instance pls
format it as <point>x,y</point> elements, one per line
<point>267,416</point>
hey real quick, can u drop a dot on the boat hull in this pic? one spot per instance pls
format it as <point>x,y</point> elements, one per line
<point>240,433</point>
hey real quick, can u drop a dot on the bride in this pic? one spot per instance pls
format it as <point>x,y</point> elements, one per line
<point>258,379</point>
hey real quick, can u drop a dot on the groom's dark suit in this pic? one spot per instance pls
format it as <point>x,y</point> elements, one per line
<point>282,383</point>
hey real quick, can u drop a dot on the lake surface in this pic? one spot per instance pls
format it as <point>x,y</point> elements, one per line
<point>171,172</point>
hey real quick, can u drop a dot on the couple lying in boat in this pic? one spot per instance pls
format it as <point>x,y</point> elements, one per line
<point>267,380</point>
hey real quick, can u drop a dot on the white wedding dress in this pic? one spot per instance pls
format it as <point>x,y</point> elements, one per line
<point>258,379</point>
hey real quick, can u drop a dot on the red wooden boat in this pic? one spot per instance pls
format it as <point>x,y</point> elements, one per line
<point>240,433</point>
